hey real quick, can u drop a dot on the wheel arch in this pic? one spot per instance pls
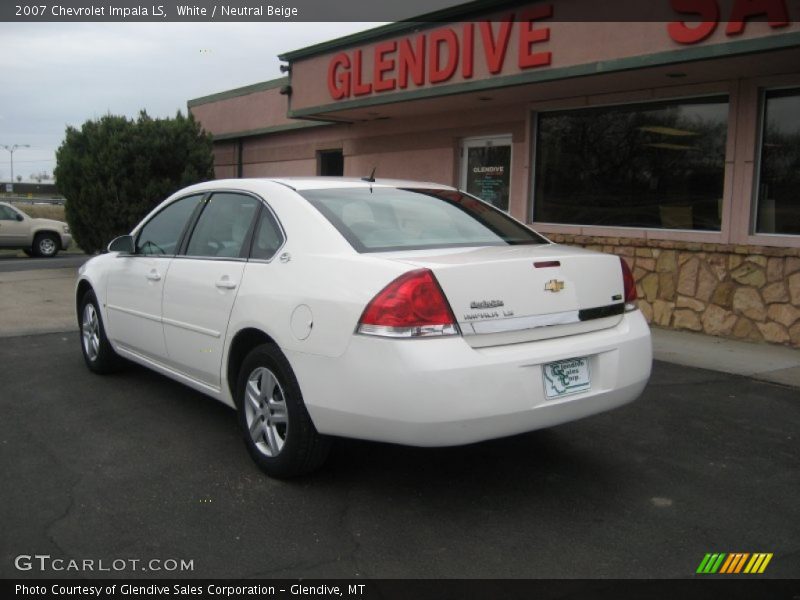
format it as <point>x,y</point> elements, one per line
<point>242,343</point>
<point>80,291</point>
<point>45,230</point>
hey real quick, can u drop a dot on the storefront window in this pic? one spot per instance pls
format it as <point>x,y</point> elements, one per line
<point>648,165</point>
<point>486,169</point>
<point>779,171</point>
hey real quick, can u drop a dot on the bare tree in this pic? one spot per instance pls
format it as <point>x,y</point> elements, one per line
<point>40,176</point>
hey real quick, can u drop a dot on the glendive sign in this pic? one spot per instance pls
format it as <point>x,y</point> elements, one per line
<point>706,17</point>
<point>435,56</point>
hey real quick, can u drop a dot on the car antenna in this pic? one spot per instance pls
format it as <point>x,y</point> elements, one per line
<point>371,178</point>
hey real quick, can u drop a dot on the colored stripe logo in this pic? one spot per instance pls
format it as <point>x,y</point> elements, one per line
<point>734,563</point>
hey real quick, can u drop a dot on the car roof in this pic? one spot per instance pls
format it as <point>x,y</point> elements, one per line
<point>320,183</point>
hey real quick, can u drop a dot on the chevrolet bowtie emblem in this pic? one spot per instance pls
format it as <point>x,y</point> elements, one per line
<point>554,285</point>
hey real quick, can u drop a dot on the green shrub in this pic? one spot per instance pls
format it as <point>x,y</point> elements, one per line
<point>115,170</point>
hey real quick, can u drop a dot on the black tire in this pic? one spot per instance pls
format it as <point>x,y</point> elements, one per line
<point>98,353</point>
<point>46,245</point>
<point>300,448</point>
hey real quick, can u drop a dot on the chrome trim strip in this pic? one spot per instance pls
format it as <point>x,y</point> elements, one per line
<point>189,327</point>
<point>419,331</point>
<point>135,313</point>
<point>169,371</point>
<point>521,323</point>
<point>211,190</point>
<point>216,258</point>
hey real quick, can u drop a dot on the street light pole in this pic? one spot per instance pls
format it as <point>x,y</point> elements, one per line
<point>11,153</point>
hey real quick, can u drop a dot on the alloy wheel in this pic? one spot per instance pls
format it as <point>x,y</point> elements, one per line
<point>265,412</point>
<point>90,331</point>
<point>47,246</point>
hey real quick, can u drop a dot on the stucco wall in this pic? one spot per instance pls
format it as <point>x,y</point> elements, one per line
<point>423,148</point>
<point>600,40</point>
<point>261,108</point>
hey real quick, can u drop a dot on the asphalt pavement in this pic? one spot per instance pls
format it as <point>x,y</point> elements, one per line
<point>10,263</point>
<point>37,301</point>
<point>136,466</point>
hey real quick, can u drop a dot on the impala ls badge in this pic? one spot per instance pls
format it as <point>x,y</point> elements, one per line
<point>554,285</point>
<point>486,304</point>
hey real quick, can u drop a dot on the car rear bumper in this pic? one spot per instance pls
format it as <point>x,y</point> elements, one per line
<point>66,241</point>
<point>442,392</point>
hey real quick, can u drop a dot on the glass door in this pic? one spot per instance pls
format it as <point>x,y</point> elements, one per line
<point>486,168</point>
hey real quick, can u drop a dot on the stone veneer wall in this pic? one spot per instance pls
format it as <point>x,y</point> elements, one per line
<point>743,292</point>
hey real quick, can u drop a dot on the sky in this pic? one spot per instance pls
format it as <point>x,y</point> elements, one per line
<point>57,74</point>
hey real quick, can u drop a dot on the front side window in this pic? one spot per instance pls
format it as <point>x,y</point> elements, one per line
<point>223,225</point>
<point>161,234</point>
<point>383,219</point>
<point>651,165</point>
<point>779,166</point>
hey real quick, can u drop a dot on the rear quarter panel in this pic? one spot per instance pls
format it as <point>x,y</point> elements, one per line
<point>336,289</point>
<point>323,272</point>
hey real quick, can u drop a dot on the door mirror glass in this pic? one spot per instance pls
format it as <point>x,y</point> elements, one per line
<point>123,244</point>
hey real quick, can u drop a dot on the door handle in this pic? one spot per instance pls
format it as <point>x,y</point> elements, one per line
<point>226,284</point>
<point>154,275</point>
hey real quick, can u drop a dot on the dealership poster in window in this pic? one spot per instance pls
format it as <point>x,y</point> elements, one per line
<point>488,172</point>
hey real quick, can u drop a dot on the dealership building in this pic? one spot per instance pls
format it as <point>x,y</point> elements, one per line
<point>673,142</point>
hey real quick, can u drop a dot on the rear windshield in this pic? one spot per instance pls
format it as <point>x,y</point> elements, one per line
<point>386,219</point>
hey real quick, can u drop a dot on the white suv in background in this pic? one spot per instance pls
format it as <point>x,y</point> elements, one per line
<point>37,237</point>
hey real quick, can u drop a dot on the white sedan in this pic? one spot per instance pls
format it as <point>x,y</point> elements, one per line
<point>394,311</point>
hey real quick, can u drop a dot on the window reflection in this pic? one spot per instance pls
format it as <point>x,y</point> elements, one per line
<point>779,173</point>
<point>649,165</point>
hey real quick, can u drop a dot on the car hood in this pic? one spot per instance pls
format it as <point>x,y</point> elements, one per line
<point>48,223</point>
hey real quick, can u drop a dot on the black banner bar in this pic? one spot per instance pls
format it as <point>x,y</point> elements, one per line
<point>33,11</point>
<point>706,588</point>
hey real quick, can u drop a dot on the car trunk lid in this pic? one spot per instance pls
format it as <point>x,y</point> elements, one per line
<point>513,294</point>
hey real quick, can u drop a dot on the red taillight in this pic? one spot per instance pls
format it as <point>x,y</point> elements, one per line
<point>628,281</point>
<point>413,305</point>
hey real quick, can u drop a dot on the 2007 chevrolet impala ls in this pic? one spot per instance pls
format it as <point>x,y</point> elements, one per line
<point>384,310</point>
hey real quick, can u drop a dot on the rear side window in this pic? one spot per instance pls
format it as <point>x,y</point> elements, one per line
<point>223,225</point>
<point>386,219</point>
<point>161,234</point>
<point>268,237</point>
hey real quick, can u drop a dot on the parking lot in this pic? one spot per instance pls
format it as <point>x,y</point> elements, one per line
<point>135,466</point>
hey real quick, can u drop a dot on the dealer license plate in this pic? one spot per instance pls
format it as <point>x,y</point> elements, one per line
<point>566,377</point>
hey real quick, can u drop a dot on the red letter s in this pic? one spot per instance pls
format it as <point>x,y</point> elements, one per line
<point>708,11</point>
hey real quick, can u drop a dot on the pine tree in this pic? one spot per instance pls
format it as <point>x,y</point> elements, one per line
<point>115,170</point>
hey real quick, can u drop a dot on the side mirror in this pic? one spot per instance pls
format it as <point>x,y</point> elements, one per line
<point>124,244</point>
<point>20,218</point>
